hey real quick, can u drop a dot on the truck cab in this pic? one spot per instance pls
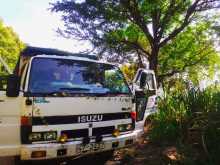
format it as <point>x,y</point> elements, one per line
<point>57,104</point>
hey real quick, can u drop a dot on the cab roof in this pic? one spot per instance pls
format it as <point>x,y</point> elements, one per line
<point>31,51</point>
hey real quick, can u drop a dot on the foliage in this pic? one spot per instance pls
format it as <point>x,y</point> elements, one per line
<point>191,52</point>
<point>183,109</point>
<point>129,70</point>
<point>10,46</point>
<point>127,28</point>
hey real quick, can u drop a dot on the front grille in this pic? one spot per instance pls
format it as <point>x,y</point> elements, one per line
<point>87,118</point>
<point>102,131</point>
<point>71,134</point>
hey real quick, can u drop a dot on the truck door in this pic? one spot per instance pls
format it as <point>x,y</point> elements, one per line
<point>9,120</point>
<point>145,89</point>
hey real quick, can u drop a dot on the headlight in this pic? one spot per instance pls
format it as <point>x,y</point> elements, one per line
<point>36,136</point>
<point>125,127</point>
<point>43,136</point>
<point>129,127</point>
<point>48,136</point>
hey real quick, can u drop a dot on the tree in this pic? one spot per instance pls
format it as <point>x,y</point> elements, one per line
<point>137,27</point>
<point>191,52</point>
<point>129,70</point>
<point>10,46</point>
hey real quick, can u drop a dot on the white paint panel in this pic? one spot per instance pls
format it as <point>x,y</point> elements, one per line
<point>64,106</point>
<point>62,127</point>
<point>10,109</point>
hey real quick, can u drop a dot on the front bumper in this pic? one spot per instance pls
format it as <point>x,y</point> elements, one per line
<point>52,149</point>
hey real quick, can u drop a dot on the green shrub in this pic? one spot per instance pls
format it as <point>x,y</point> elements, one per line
<point>180,110</point>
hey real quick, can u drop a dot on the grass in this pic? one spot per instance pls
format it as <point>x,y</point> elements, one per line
<point>191,120</point>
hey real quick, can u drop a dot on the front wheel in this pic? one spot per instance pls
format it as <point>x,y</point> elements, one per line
<point>8,161</point>
<point>18,161</point>
<point>147,125</point>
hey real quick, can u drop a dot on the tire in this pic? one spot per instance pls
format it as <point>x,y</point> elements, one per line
<point>7,161</point>
<point>147,125</point>
<point>17,161</point>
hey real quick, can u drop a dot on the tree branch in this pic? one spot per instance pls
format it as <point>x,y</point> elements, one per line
<point>136,46</point>
<point>156,22</point>
<point>137,18</point>
<point>168,15</point>
<point>190,11</point>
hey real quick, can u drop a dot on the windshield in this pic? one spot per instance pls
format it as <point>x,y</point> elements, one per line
<point>71,76</point>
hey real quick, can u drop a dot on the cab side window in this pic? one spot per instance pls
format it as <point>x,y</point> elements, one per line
<point>150,81</point>
<point>147,80</point>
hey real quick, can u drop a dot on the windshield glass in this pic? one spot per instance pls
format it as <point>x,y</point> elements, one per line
<point>71,76</point>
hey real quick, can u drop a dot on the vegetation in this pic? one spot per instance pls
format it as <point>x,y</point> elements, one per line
<point>129,71</point>
<point>10,46</point>
<point>175,37</point>
<point>127,28</point>
<point>190,118</point>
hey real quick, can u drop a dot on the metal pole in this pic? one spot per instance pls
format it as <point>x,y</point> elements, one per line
<point>5,65</point>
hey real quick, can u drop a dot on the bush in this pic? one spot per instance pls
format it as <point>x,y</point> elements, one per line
<point>181,110</point>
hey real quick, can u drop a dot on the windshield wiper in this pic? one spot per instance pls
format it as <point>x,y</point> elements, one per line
<point>75,89</point>
<point>109,94</point>
<point>45,94</point>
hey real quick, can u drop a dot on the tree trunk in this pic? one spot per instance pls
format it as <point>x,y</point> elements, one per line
<point>153,60</point>
<point>153,63</point>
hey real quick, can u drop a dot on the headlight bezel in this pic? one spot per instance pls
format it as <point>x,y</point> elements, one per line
<point>125,127</point>
<point>53,133</point>
<point>42,136</point>
<point>35,136</point>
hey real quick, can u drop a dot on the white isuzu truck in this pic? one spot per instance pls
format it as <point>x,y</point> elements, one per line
<point>57,104</point>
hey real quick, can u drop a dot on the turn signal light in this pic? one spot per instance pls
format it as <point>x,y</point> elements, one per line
<point>38,154</point>
<point>133,115</point>
<point>63,138</point>
<point>116,133</point>
<point>25,120</point>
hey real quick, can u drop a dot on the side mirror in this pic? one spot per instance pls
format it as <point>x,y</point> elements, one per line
<point>13,86</point>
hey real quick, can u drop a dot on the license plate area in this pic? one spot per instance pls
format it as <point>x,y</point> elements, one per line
<point>85,148</point>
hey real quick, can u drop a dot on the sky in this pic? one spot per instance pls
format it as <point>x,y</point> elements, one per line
<point>36,25</point>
